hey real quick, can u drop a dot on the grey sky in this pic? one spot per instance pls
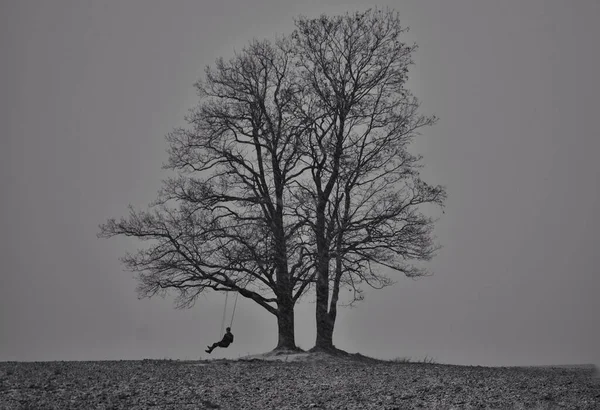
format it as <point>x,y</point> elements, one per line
<point>90,88</point>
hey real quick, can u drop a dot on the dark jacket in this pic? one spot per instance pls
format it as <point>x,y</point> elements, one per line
<point>227,339</point>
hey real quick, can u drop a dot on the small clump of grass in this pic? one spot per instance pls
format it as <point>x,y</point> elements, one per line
<point>426,360</point>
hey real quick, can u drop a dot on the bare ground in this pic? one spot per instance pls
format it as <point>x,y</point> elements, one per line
<point>292,381</point>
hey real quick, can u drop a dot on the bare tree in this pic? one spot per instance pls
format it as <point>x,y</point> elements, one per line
<point>363,195</point>
<point>294,174</point>
<point>223,223</point>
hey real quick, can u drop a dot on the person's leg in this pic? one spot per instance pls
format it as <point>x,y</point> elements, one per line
<point>211,348</point>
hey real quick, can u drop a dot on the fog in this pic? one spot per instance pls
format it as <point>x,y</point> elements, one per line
<point>89,90</point>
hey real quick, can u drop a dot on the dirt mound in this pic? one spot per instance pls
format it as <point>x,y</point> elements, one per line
<point>310,356</point>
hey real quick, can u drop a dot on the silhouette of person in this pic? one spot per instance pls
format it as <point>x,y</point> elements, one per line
<point>225,342</point>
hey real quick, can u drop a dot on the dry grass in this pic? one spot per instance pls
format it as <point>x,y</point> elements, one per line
<point>426,359</point>
<point>305,381</point>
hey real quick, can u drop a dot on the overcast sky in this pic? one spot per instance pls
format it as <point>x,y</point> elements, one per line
<point>90,88</point>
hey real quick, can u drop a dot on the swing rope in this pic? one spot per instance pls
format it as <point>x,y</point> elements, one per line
<point>234,305</point>
<point>225,312</point>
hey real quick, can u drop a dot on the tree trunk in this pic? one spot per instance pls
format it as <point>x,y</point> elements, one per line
<point>285,324</point>
<point>324,329</point>
<point>325,318</point>
<point>285,302</point>
<point>324,326</point>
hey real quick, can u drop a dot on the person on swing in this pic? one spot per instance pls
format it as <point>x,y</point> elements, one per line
<point>225,342</point>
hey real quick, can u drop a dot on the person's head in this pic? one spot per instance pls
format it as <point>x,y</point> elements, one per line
<point>228,329</point>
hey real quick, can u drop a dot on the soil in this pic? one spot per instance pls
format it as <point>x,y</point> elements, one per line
<point>293,380</point>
